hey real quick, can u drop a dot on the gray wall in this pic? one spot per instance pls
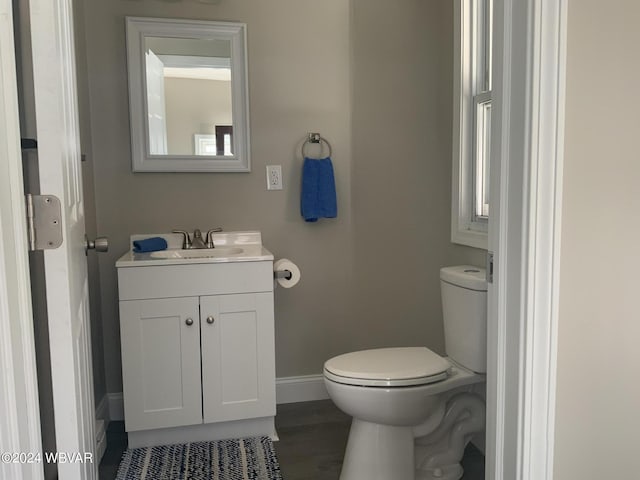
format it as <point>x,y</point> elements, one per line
<point>598,395</point>
<point>88,187</point>
<point>402,68</point>
<point>375,79</point>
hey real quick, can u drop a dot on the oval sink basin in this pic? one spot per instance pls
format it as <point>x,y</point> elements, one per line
<point>199,253</point>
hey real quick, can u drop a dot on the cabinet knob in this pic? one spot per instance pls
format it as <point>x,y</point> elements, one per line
<point>210,320</point>
<point>189,321</point>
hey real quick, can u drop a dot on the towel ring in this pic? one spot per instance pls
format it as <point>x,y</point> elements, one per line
<point>315,138</point>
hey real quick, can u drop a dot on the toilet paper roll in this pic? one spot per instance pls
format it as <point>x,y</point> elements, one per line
<point>286,264</point>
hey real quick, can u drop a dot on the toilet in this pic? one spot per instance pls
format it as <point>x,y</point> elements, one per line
<point>413,410</point>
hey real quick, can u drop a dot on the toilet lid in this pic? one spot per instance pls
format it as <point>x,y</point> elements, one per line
<point>389,367</point>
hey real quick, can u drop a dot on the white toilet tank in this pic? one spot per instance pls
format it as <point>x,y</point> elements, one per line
<point>464,307</point>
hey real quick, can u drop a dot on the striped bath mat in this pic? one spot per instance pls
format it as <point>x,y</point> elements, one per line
<point>243,459</point>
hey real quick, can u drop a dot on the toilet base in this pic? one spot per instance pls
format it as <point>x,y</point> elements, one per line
<point>383,452</point>
<point>449,472</point>
<point>378,452</point>
<point>439,453</point>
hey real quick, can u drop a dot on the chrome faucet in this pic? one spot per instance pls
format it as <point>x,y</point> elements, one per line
<point>186,243</point>
<point>210,237</point>
<point>198,241</point>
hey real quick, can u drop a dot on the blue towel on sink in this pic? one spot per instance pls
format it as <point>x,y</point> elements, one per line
<point>318,196</point>
<point>153,244</point>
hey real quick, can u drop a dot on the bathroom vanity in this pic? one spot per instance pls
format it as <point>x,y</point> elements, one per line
<point>197,337</point>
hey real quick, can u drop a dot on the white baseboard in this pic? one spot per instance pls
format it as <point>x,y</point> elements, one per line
<point>102,422</point>
<point>116,406</point>
<point>102,410</point>
<point>300,389</point>
<point>101,439</point>
<point>305,388</point>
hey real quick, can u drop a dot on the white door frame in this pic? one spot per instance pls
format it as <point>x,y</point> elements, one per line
<point>528,145</point>
<point>65,268</point>
<point>530,45</point>
<point>19,407</point>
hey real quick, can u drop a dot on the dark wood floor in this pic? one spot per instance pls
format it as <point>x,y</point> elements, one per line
<point>313,436</point>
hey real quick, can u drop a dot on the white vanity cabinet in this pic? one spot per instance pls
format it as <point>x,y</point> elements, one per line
<point>161,363</point>
<point>238,380</point>
<point>198,355</point>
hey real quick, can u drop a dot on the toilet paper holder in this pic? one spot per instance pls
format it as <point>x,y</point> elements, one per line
<point>282,274</point>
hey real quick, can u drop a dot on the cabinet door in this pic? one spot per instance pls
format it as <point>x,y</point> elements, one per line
<point>238,356</point>
<point>161,362</point>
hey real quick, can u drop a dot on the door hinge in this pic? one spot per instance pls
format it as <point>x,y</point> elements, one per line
<point>44,222</point>
<point>489,269</point>
<point>28,144</point>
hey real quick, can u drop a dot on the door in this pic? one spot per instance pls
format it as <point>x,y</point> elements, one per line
<point>224,139</point>
<point>238,364</point>
<point>65,274</point>
<point>157,123</point>
<point>19,410</point>
<point>161,362</point>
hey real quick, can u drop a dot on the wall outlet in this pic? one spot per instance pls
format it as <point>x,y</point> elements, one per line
<point>274,177</point>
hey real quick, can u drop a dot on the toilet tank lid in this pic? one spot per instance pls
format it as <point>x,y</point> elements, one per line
<point>466,276</point>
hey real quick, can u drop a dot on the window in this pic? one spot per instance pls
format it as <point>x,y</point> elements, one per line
<point>472,122</point>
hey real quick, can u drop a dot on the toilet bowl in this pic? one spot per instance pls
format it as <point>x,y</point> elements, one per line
<point>413,410</point>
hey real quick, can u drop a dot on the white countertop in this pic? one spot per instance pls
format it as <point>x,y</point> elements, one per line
<point>226,251</point>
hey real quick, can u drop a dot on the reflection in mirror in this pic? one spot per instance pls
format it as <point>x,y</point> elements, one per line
<point>188,94</point>
<point>192,100</point>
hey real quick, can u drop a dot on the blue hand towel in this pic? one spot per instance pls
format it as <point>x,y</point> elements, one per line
<point>152,244</point>
<point>318,198</point>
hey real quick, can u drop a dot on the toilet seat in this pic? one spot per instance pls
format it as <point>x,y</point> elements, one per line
<point>388,367</point>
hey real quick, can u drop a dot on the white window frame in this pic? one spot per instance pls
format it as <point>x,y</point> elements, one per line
<point>202,141</point>
<point>471,53</point>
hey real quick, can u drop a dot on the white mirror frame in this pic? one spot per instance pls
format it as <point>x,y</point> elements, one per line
<point>142,161</point>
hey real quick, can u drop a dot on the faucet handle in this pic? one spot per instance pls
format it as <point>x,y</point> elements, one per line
<point>210,236</point>
<point>186,244</point>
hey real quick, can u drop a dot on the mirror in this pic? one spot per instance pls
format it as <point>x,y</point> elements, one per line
<point>188,98</point>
